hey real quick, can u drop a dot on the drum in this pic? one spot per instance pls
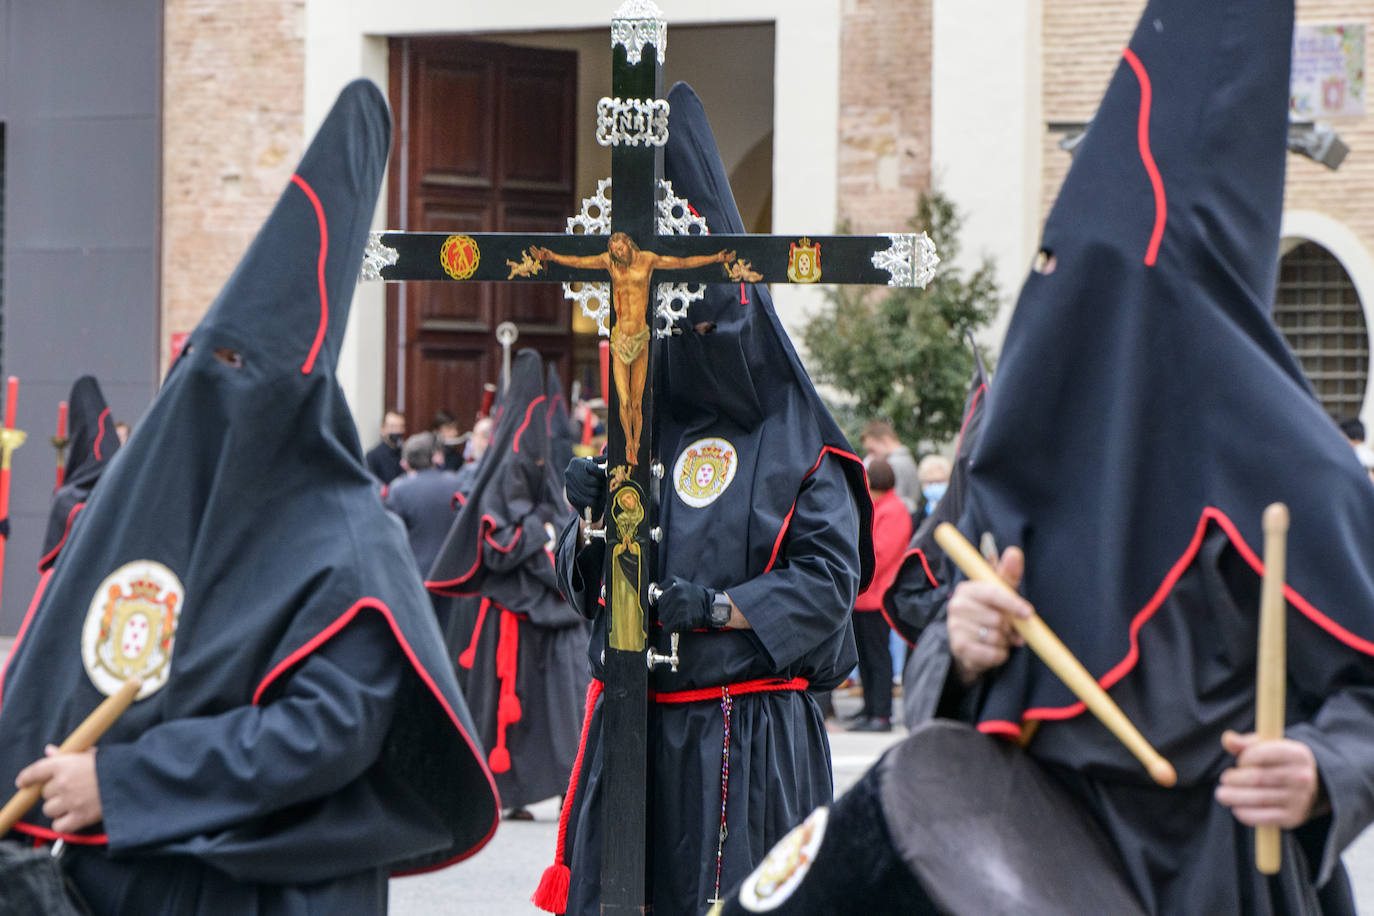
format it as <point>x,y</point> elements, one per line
<point>948,821</point>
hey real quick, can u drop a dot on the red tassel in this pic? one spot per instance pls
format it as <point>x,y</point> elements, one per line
<point>508,706</point>
<point>469,655</point>
<point>552,894</point>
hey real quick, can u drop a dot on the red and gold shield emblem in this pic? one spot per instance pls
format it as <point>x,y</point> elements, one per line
<point>804,262</point>
<point>460,256</point>
<point>131,627</point>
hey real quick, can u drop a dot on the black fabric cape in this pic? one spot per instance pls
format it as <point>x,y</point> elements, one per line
<point>93,444</point>
<point>1145,413</point>
<point>520,646</point>
<point>788,538</point>
<point>309,736</point>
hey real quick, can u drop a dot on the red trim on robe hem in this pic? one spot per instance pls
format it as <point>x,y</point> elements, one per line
<point>447,586</point>
<point>509,547</point>
<point>1147,157</point>
<point>381,608</point>
<point>786,522</point>
<point>324,290</point>
<point>529,411</point>
<point>925,564</point>
<point>1000,728</point>
<point>44,833</point>
<point>892,625</point>
<point>100,432</point>
<point>51,555</point>
<point>1123,667</point>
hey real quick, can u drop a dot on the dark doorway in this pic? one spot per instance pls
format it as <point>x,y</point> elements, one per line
<point>485,141</point>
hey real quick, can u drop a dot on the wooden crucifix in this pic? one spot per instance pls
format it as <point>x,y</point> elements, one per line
<point>638,261</point>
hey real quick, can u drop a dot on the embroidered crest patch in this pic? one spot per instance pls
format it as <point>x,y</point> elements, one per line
<point>131,627</point>
<point>782,870</point>
<point>703,471</point>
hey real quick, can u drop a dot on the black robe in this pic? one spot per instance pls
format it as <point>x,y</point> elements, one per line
<point>787,536</point>
<point>300,734</point>
<point>519,647</point>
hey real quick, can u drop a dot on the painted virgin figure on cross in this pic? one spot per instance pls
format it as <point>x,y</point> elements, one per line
<point>631,270</point>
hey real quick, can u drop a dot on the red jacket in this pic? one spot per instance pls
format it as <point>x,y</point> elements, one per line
<point>891,534</point>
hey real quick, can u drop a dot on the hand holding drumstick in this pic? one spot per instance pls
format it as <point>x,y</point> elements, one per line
<point>1044,643</point>
<point>66,774</point>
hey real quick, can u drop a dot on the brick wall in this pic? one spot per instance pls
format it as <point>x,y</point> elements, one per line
<point>1347,194</point>
<point>885,82</point>
<point>1083,41</point>
<point>233,123</point>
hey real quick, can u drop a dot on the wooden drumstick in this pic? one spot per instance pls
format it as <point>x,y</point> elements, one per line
<point>82,739</point>
<point>1059,659</point>
<point>1272,666</point>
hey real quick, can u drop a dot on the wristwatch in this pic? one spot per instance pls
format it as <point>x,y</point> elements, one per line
<point>720,610</point>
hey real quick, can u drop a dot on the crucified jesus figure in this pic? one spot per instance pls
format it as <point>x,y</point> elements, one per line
<point>631,269</point>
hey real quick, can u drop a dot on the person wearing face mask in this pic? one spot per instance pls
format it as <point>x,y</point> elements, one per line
<point>299,734</point>
<point>766,543</point>
<point>384,458</point>
<point>933,472</point>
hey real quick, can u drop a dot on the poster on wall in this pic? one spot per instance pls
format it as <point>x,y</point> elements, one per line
<point>1328,71</point>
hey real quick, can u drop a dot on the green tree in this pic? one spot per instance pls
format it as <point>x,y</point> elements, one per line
<point>902,355</point>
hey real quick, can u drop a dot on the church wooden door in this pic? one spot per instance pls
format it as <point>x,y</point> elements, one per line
<point>484,141</point>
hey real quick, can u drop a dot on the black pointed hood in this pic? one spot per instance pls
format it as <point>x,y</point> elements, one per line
<point>499,540</point>
<point>744,375</point>
<point>241,505</point>
<point>293,315</point>
<point>92,445</point>
<point>1144,396</point>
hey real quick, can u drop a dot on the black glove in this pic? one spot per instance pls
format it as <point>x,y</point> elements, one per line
<point>585,483</point>
<point>684,606</point>
<point>5,528</point>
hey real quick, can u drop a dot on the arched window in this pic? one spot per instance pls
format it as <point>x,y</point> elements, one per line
<point>1319,312</point>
